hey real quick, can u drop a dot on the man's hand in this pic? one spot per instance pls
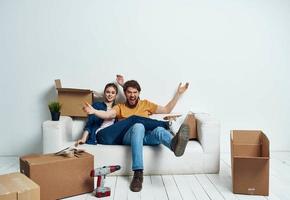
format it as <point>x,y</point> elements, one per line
<point>120,79</point>
<point>171,117</point>
<point>182,88</point>
<point>88,108</point>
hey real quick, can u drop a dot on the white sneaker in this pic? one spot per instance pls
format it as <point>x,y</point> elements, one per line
<point>175,123</point>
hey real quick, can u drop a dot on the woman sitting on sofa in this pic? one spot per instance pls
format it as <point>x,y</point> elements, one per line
<point>95,124</point>
<point>113,131</point>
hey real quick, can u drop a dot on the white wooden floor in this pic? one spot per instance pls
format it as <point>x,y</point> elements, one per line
<point>199,186</point>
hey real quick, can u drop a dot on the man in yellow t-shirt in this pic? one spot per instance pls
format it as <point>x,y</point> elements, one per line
<point>137,136</point>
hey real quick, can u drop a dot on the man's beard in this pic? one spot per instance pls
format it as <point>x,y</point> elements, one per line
<point>132,106</point>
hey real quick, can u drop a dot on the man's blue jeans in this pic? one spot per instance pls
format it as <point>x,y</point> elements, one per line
<point>114,134</point>
<point>137,136</point>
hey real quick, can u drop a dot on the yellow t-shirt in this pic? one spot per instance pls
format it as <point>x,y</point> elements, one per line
<point>144,108</point>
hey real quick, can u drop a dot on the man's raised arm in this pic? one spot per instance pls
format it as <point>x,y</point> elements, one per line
<point>171,104</point>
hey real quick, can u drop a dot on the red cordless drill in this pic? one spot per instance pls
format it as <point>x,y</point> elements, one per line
<point>101,173</point>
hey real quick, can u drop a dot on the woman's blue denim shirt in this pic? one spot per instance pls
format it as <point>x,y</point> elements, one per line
<point>94,122</point>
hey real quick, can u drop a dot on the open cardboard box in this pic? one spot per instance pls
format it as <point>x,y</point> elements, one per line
<point>72,100</point>
<point>250,162</point>
<point>58,176</point>
<point>16,186</point>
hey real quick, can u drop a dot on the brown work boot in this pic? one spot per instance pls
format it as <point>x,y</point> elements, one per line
<point>179,141</point>
<point>136,184</point>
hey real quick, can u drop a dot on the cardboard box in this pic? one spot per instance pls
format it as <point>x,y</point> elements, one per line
<point>250,162</point>
<point>16,186</point>
<point>58,176</point>
<point>72,100</point>
<point>191,122</point>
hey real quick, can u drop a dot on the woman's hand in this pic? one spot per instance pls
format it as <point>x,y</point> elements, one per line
<point>83,139</point>
<point>79,142</point>
<point>88,108</point>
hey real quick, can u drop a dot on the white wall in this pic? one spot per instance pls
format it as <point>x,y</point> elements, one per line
<point>235,54</point>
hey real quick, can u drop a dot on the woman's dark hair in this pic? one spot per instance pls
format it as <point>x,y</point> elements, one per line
<point>133,84</point>
<point>111,85</point>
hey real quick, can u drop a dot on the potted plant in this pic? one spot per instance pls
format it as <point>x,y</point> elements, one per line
<point>54,108</point>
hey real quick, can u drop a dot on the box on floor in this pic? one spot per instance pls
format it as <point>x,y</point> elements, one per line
<point>58,176</point>
<point>250,162</point>
<point>16,186</point>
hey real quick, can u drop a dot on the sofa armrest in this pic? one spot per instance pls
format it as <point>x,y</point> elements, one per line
<point>208,132</point>
<point>56,134</point>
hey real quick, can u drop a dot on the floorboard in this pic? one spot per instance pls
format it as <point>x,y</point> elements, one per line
<point>184,187</point>
<point>159,191</point>
<point>171,187</point>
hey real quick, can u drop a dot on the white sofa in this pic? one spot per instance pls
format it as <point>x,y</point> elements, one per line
<point>201,155</point>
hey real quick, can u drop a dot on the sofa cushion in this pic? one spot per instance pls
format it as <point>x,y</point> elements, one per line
<point>157,159</point>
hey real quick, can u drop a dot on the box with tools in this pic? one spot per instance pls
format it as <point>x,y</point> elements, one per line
<point>59,176</point>
<point>250,162</point>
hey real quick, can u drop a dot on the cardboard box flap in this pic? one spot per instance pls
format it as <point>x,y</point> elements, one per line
<point>61,89</point>
<point>48,158</point>
<point>246,136</point>
<point>265,146</point>
<point>250,158</point>
<point>57,83</point>
<point>73,90</point>
<point>252,150</point>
